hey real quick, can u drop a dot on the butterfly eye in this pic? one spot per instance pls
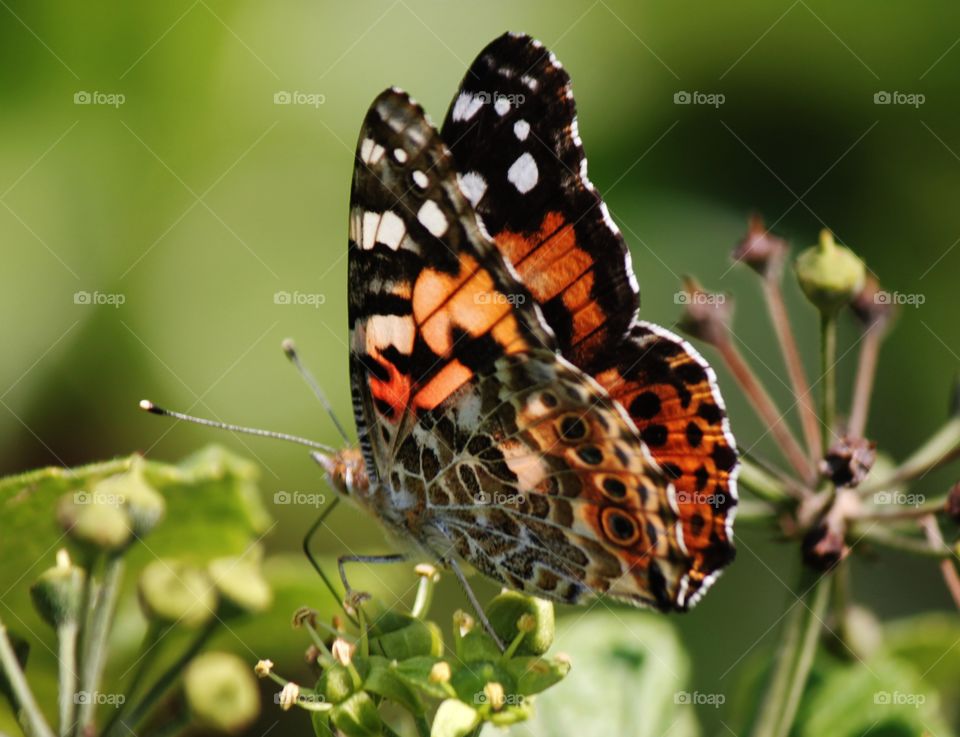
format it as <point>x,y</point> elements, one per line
<point>620,527</point>
<point>614,488</point>
<point>572,427</point>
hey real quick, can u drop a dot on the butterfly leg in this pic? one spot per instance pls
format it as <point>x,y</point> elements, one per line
<point>481,615</point>
<point>354,598</point>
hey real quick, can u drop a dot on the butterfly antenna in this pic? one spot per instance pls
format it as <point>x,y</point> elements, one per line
<point>147,406</point>
<point>291,350</point>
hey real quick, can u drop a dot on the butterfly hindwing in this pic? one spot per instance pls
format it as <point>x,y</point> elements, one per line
<point>513,131</point>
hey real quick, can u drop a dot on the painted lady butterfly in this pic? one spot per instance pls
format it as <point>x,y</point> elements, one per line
<point>512,410</point>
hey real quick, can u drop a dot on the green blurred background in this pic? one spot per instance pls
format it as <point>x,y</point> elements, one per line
<point>198,199</point>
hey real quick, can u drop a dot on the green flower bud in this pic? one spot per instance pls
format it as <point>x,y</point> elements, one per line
<point>357,717</point>
<point>512,612</point>
<point>477,646</point>
<point>142,503</point>
<point>172,592</point>
<point>335,684</point>
<point>92,522</point>
<point>416,637</point>
<point>830,275</point>
<point>58,592</point>
<point>241,585</point>
<point>221,692</point>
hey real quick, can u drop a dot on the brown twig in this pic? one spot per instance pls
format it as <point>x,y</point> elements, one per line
<point>863,384</point>
<point>791,357</point>
<point>950,576</point>
<point>764,406</point>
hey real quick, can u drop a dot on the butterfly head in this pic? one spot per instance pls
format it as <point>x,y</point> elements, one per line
<point>345,470</point>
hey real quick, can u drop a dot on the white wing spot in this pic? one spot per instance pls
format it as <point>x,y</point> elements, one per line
<point>473,186</point>
<point>400,155</point>
<point>391,230</point>
<point>365,149</point>
<point>420,179</point>
<point>432,218</point>
<point>521,129</point>
<point>371,220</point>
<point>502,106</point>
<point>523,173</point>
<point>466,106</point>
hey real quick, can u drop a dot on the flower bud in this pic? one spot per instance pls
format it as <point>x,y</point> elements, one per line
<point>495,696</point>
<point>829,275</point>
<point>511,613</point>
<point>848,461</point>
<point>172,592</point>
<point>440,672</point>
<point>761,250</point>
<point>289,696</point>
<point>263,668</point>
<point>58,592</point>
<point>94,525</point>
<point>221,692</point>
<point>357,717</point>
<point>241,585</point>
<point>142,503</point>
<point>335,684</point>
<point>872,306</point>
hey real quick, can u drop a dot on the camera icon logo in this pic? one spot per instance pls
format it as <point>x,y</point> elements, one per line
<point>82,98</point>
<point>682,98</point>
<point>882,98</point>
<point>82,298</point>
<point>282,98</point>
<point>282,497</point>
<point>282,298</point>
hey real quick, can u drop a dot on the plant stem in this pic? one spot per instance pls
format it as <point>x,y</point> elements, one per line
<point>791,357</point>
<point>762,484</point>
<point>793,660</point>
<point>904,544</point>
<point>423,726</point>
<point>947,567</point>
<point>765,408</point>
<point>812,626</point>
<point>166,680</point>
<point>863,384</point>
<point>150,649</point>
<point>95,652</point>
<point>67,674</point>
<point>828,357</point>
<point>34,725</point>
<point>941,447</point>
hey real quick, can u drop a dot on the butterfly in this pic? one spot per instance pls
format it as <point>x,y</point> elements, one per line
<point>512,410</point>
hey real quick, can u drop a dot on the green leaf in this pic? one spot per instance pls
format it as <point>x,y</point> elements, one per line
<point>885,696</point>
<point>381,678</point>
<point>454,719</point>
<point>534,675</point>
<point>628,676</point>
<point>416,673</point>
